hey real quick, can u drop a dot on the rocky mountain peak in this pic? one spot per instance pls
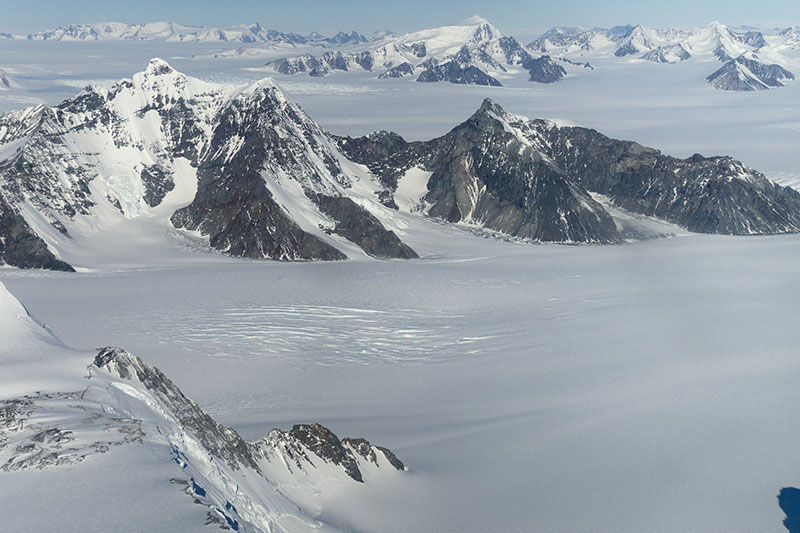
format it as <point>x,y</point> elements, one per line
<point>490,106</point>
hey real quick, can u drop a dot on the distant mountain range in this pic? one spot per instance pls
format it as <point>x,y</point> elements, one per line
<point>472,52</point>
<point>174,32</point>
<point>475,52</point>
<point>244,171</point>
<point>753,60</point>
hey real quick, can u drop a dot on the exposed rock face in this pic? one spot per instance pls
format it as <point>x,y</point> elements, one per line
<point>454,72</point>
<point>749,74</point>
<point>322,65</point>
<point>544,70</point>
<point>232,204</point>
<point>487,174</point>
<point>636,42</point>
<point>157,183</point>
<point>355,224</point>
<point>22,248</point>
<point>530,178</point>
<point>753,38</point>
<point>239,214</point>
<point>401,70</point>
<point>245,485</point>
<point>323,443</point>
<point>348,38</point>
<point>252,153</point>
<point>705,195</point>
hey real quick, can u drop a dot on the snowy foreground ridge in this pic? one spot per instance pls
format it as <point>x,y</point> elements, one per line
<point>168,159</point>
<point>61,408</point>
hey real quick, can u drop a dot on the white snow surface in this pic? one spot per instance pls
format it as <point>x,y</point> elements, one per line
<point>411,189</point>
<point>544,388</point>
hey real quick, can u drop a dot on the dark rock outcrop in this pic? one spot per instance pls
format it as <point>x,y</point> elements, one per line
<point>705,195</point>
<point>157,183</point>
<point>752,38</point>
<point>455,72</point>
<point>357,225</point>
<point>401,70</point>
<point>544,70</point>
<point>749,74</point>
<point>21,247</point>
<point>327,446</point>
<point>530,178</point>
<point>484,174</point>
<point>237,211</point>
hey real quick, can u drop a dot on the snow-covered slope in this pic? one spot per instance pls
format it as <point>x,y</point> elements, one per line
<point>172,31</point>
<point>470,52</point>
<point>243,167</point>
<point>63,408</point>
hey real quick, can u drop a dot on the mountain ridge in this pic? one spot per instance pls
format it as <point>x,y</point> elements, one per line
<point>175,32</point>
<point>471,52</point>
<point>764,51</point>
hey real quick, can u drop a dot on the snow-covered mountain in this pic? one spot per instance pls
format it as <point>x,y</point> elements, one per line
<point>747,73</point>
<point>573,39</point>
<point>62,408</point>
<point>240,167</point>
<point>470,52</point>
<point>625,41</point>
<point>172,31</point>
<point>538,179</point>
<point>763,52</point>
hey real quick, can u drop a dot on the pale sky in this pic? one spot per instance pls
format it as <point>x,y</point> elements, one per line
<point>511,16</point>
